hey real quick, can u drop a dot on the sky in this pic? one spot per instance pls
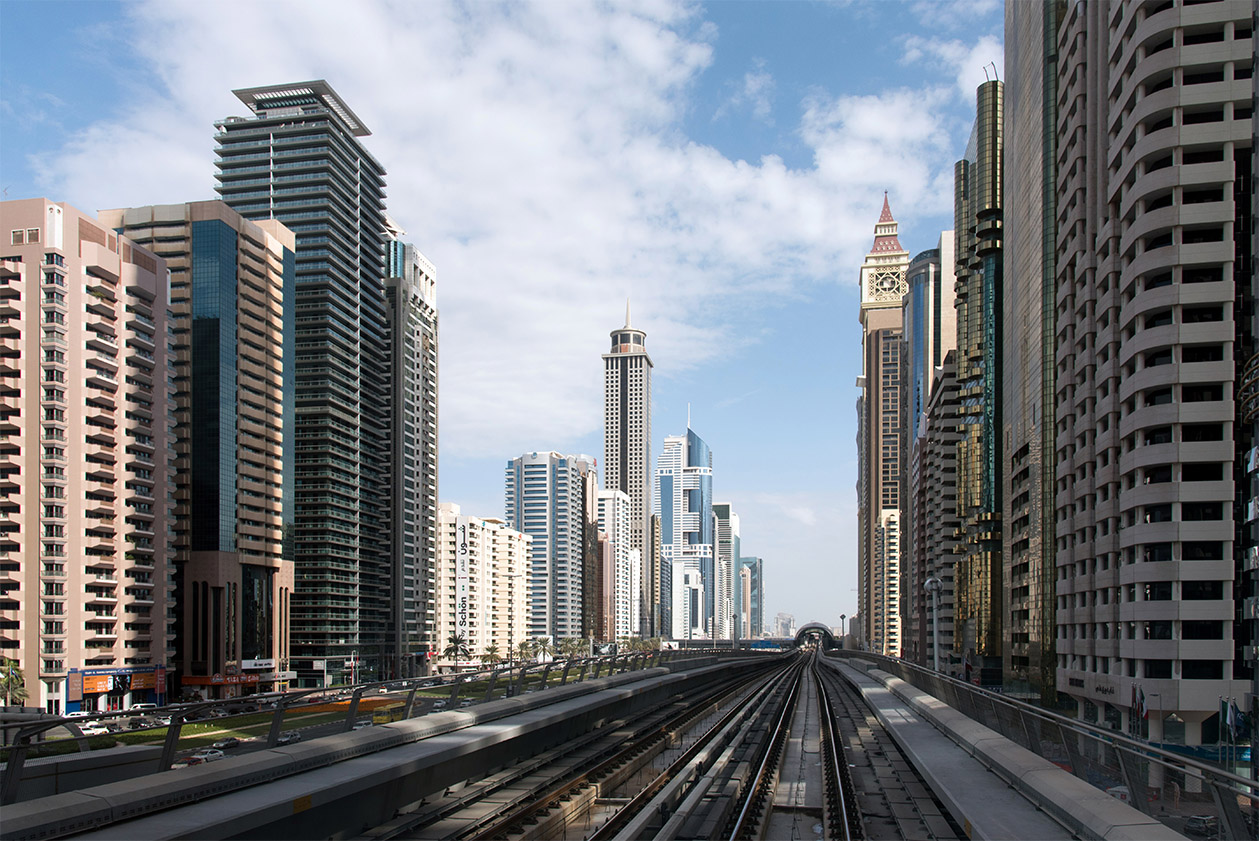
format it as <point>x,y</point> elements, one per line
<point>720,165</point>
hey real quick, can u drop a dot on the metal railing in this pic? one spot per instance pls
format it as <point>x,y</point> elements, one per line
<point>1182,793</point>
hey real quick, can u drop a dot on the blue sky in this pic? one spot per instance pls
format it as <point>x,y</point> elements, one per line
<point>721,164</point>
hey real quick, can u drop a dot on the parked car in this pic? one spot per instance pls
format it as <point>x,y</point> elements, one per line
<point>93,729</point>
<point>206,755</point>
<point>141,722</point>
<point>1205,825</point>
<point>141,707</point>
<point>219,712</point>
<point>227,743</point>
<point>289,737</point>
<point>359,725</point>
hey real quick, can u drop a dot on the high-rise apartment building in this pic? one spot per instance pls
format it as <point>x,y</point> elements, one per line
<point>299,158</point>
<point>931,507</point>
<point>751,598</point>
<point>1154,275</point>
<point>411,307</point>
<point>86,428</point>
<point>684,494</point>
<point>627,448</point>
<point>546,498</point>
<point>929,333</point>
<point>726,562</point>
<point>622,577</point>
<point>978,251</point>
<point>878,437</point>
<point>1027,350</point>
<point>482,581</point>
<point>231,288</point>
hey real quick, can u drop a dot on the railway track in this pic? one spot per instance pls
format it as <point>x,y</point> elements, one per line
<point>792,754</point>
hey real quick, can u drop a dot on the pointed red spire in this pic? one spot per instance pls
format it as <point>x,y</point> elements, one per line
<point>886,216</point>
<point>885,241</point>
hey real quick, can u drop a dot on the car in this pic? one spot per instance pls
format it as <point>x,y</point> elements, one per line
<point>206,755</point>
<point>1205,825</point>
<point>93,729</point>
<point>80,714</point>
<point>227,743</point>
<point>141,707</point>
<point>439,704</point>
<point>219,712</point>
<point>140,723</point>
<point>359,725</point>
<point>289,737</point>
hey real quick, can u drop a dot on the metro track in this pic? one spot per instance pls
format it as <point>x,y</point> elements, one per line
<point>790,754</point>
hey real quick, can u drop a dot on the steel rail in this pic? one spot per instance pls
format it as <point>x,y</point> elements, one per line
<point>847,820</point>
<point>613,827</point>
<point>773,751</point>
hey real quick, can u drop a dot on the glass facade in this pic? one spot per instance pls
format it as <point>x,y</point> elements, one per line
<point>213,400</point>
<point>979,267</point>
<point>298,158</point>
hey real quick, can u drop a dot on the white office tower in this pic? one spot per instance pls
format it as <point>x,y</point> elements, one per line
<point>621,594</point>
<point>726,598</point>
<point>684,493</point>
<point>688,602</point>
<point>545,500</point>
<point>627,447</point>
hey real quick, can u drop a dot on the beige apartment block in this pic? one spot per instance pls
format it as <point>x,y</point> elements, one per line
<point>234,424</point>
<point>85,427</point>
<point>482,588</point>
<point>1155,109</point>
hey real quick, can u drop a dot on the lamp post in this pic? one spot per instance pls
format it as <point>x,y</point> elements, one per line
<point>933,586</point>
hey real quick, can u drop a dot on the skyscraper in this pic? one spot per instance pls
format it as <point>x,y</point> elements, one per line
<point>87,476</point>
<point>411,306</point>
<point>232,286</point>
<point>622,579</point>
<point>299,158</point>
<point>752,598</point>
<point>546,499</point>
<point>627,446</point>
<point>726,563</point>
<point>878,437</point>
<point>978,236</point>
<point>684,494</point>
<point>1154,277</point>
<point>1027,350</point>
<point>928,318</point>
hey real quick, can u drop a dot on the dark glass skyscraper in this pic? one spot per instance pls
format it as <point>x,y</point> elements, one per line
<point>299,159</point>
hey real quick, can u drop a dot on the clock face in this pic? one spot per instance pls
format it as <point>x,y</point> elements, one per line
<point>886,285</point>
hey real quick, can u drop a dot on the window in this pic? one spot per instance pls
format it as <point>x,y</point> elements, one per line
<point>1202,590</point>
<point>1204,472</point>
<point>1202,670</point>
<point>1158,669</point>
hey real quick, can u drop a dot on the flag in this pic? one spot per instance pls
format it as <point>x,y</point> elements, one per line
<point>1223,719</point>
<point>1234,720</point>
<point>1142,710</point>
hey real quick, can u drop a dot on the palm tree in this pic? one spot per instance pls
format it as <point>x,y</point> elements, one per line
<point>12,682</point>
<point>457,648</point>
<point>491,655</point>
<point>524,650</point>
<point>572,647</point>
<point>542,647</point>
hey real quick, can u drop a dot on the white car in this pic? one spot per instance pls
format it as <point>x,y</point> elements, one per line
<point>359,725</point>
<point>205,755</point>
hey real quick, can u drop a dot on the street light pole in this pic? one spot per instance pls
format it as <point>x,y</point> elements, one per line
<point>933,586</point>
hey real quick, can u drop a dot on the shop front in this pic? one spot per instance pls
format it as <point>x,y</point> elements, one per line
<point>111,689</point>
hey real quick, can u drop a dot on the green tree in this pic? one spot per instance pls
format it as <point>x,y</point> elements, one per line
<point>543,647</point>
<point>457,648</point>
<point>12,682</point>
<point>524,650</point>
<point>491,655</point>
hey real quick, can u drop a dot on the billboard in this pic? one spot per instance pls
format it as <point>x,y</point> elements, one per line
<point>463,582</point>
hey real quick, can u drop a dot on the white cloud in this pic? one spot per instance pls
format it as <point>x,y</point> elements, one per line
<point>535,155</point>
<point>968,64</point>
<point>755,93</point>
<point>953,14</point>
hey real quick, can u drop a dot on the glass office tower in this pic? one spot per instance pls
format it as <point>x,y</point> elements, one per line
<point>299,158</point>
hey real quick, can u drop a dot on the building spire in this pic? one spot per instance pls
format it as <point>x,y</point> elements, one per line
<point>886,215</point>
<point>627,312</point>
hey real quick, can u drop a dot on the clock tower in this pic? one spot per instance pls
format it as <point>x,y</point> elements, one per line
<point>883,272</point>
<point>883,284</point>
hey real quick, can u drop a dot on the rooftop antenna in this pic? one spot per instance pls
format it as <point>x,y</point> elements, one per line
<point>627,312</point>
<point>688,416</point>
<point>995,74</point>
<point>987,78</point>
